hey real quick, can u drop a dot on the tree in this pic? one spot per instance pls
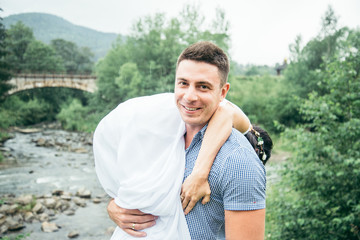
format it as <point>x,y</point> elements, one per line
<point>129,80</point>
<point>76,60</point>
<point>301,75</point>
<point>40,57</point>
<point>4,66</point>
<point>153,47</point>
<point>18,38</point>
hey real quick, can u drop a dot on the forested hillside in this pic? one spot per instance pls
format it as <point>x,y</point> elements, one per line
<point>47,27</point>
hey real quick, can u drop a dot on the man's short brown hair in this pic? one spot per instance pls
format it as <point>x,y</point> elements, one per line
<point>209,53</point>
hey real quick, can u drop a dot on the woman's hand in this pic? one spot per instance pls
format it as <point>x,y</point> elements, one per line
<point>193,189</point>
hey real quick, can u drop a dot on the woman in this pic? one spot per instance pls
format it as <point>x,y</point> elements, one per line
<point>139,159</point>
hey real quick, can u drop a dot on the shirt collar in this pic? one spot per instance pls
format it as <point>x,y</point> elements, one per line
<point>202,131</point>
<point>198,137</point>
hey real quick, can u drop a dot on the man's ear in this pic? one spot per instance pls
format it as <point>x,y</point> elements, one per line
<point>225,90</point>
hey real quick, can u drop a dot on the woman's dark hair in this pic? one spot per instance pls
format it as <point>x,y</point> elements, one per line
<point>263,150</point>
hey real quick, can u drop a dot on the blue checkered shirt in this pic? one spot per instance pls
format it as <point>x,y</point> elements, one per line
<point>237,180</point>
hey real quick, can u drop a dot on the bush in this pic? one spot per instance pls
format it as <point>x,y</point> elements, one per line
<point>17,112</point>
<point>256,96</point>
<point>76,117</point>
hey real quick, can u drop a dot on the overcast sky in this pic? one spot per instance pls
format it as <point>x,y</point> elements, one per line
<point>261,30</point>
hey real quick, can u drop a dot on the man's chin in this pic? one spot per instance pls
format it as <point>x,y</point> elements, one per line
<point>192,122</point>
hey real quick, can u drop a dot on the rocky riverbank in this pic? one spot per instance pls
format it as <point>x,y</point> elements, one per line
<point>15,212</point>
<point>48,187</point>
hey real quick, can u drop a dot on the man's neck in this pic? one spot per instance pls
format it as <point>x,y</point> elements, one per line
<point>191,131</point>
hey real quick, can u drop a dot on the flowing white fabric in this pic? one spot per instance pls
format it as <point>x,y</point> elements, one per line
<point>140,160</point>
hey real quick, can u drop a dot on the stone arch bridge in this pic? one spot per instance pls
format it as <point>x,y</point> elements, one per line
<point>23,82</point>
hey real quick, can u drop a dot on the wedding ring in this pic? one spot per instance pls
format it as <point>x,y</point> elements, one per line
<point>133,226</point>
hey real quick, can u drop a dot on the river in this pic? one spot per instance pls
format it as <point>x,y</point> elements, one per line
<point>51,159</point>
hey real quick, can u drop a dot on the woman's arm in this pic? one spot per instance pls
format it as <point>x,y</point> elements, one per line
<point>196,185</point>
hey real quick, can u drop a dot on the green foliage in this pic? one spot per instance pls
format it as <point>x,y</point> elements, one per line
<point>129,80</point>
<point>18,38</point>
<point>318,197</point>
<point>14,111</point>
<point>17,237</point>
<point>76,60</point>
<point>75,116</point>
<point>4,66</point>
<point>28,207</point>
<point>257,96</point>
<point>151,51</point>
<point>303,74</point>
<point>251,70</point>
<point>7,116</point>
<point>40,57</point>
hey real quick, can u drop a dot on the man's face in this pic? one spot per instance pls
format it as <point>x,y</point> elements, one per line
<point>198,92</point>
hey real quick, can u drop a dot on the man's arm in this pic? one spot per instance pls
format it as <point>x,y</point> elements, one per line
<point>249,225</point>
<point>130,220</point>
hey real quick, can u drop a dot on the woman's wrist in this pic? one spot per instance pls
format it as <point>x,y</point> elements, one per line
<point>201,174</point>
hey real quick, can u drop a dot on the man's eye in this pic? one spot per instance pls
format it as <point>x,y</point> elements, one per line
<point>204,87</point>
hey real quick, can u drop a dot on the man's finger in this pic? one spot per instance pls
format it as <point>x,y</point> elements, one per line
<point>134,212</point>
<point>141,226</point>
<point>134,233</point>
<point>137,219</point>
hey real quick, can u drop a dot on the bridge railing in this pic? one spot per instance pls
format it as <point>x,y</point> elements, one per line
<point>53,76</point>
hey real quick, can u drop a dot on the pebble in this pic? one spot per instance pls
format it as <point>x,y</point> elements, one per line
<point>25,199</point>
<point>49,227</point>
<point>13,224</point>
<point>50,203</point>
<point>29,217</point>
<point>38,208</point>
<point>43,217</point>
<point>69,212</point>
<point>83,193</point>
<point>80,202</point>
<point>73,234</point>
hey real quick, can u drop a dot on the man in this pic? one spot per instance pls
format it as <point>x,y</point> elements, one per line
<point>237,178</point>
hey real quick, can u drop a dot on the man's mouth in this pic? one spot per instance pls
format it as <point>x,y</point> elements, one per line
<point>191,109</point>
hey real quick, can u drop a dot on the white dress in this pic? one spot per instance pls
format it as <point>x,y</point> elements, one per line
<point>140,159</point>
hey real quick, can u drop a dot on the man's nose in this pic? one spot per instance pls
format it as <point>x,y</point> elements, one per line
<point>191,95</point>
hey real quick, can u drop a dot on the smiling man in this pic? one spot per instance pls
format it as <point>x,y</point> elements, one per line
<point>237,178</point>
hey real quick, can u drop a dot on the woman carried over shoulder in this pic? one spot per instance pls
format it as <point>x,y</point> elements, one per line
<point>138,176</point>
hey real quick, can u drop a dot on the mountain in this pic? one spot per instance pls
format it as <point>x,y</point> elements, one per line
<point>47,27</point>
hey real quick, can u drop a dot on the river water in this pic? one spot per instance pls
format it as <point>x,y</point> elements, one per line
<point>63,161</point>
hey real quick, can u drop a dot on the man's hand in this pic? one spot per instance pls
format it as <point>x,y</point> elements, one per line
<point>130,220</point>
<point>192,190</point>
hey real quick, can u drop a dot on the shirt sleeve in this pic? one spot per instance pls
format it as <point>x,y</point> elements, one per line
<point>243,181</point>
